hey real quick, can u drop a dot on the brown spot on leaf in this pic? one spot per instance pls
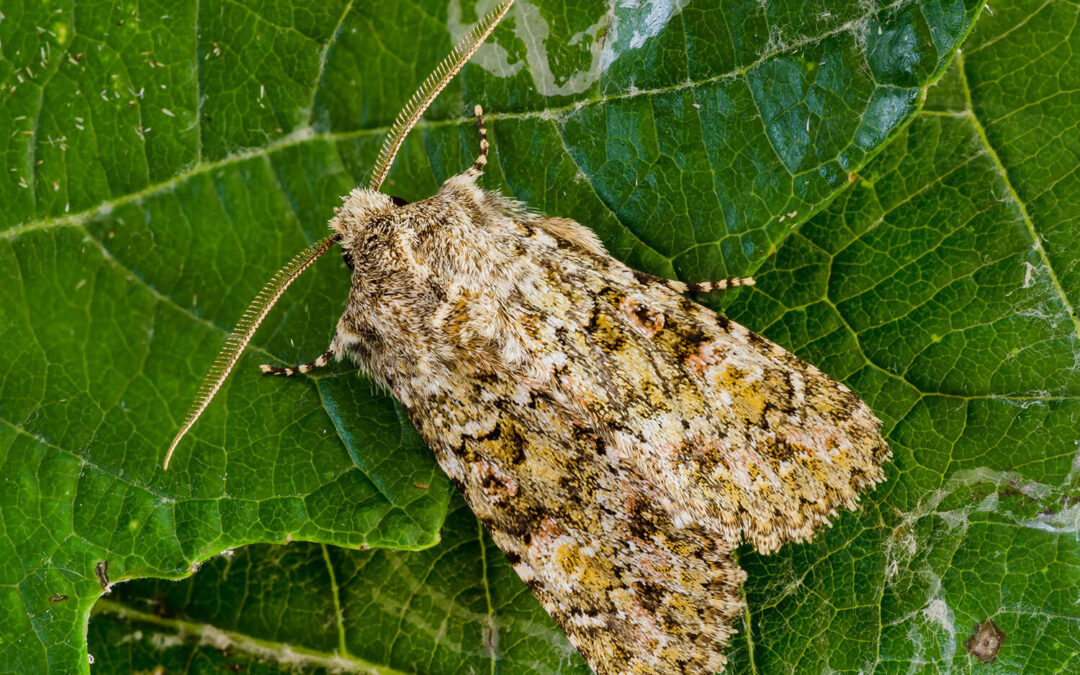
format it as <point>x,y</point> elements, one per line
<point>491,636</point>
<point>986,641</point>
<point>102,570</point>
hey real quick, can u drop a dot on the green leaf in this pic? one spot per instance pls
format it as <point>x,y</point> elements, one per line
<point>453,608</point>
<point>164,160</point>
<point>942,287</point>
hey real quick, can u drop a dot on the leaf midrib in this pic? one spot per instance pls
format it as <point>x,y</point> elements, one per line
<point>285,653</point>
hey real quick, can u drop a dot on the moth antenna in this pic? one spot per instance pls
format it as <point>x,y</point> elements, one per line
<point>435,83</point>
<point>242,334</point>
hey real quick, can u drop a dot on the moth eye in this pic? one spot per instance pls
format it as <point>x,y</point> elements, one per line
<point>347,257</point>
<point>398,201</point>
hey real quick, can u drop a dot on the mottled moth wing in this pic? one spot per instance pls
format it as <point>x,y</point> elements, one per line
<point>616,438</point>
<point>734,433</point>
<point>729,430</point>
<point>633,592</point>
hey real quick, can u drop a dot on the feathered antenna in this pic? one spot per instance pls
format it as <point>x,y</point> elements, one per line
<point>264,301</point>
<point>242,334</point>
<point>435,83</point>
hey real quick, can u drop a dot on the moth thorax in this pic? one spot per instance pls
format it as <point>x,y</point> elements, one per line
<point>357,207</point>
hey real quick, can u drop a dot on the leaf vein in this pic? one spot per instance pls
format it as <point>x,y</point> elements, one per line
<point>1036,240</point>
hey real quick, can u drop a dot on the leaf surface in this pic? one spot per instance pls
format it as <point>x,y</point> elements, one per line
<point>164,159</point>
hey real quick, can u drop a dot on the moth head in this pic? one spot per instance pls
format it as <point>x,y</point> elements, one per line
<point>360,206</point>
<point>358,209</point>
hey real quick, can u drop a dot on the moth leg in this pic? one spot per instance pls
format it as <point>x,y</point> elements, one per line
<point>719,285</point>
<point>481,159</point>
<point>323,359</point>
<point>697,286</point>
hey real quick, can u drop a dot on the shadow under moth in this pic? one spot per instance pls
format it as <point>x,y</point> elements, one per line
<point>617,440</point>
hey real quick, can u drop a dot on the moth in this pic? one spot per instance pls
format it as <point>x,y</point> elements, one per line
<point>617,439</point>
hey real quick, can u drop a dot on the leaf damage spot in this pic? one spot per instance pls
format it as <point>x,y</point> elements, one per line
<point>986,642</point>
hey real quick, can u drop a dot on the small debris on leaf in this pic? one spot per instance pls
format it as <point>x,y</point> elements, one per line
<point>102,569</point>
<point>986,641</point>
